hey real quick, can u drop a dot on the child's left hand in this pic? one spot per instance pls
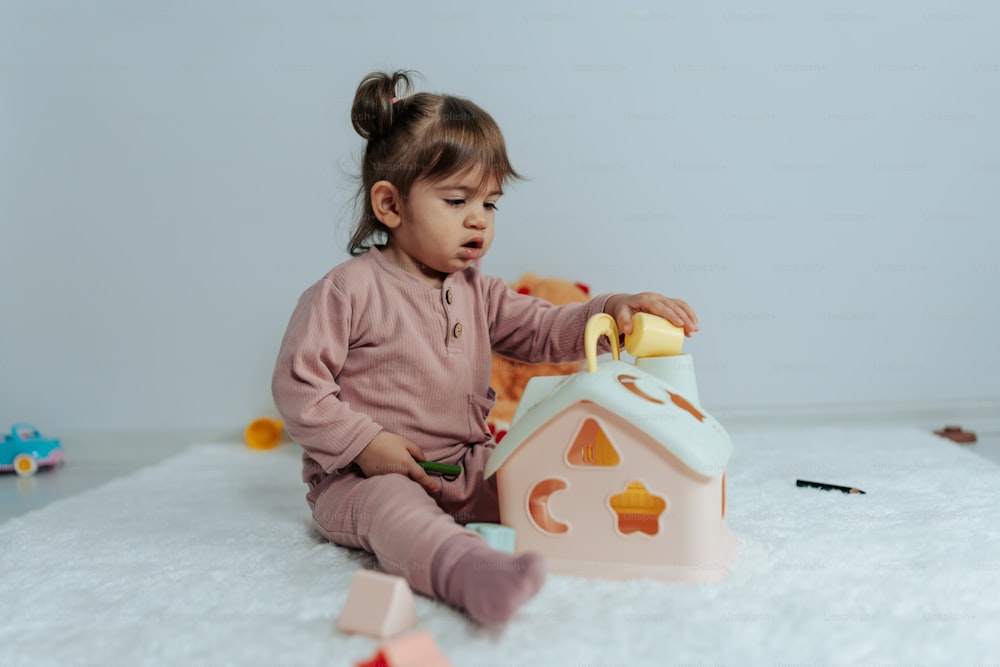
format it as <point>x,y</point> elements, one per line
<point>623,306</point>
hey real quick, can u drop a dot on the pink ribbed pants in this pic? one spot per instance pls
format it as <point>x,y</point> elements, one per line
<point>396,519</point>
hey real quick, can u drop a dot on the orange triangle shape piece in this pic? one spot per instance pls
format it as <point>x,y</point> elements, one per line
<point>591,447</point>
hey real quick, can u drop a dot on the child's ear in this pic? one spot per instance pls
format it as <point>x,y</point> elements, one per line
<point>386,203</point>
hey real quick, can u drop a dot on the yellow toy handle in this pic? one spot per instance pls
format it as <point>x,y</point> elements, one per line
<point>599,325</point>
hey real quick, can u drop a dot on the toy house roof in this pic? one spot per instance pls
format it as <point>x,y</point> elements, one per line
<point>650,404</point>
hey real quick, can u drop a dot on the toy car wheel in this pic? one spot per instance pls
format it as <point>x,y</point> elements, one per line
<point>25,465</point>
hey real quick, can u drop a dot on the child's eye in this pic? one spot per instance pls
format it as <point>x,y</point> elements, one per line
<point>454,202</point>
<point>491,205</point>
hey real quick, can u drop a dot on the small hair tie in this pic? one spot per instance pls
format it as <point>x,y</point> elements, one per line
<point>395,99</point>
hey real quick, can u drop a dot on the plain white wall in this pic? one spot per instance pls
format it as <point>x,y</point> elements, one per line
<point>820,180</point>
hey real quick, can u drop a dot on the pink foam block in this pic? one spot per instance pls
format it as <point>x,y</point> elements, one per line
<point>414,650</point>
<point>378,605</point>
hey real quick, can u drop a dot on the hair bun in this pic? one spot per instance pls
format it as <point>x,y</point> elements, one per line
<point>372,112</point>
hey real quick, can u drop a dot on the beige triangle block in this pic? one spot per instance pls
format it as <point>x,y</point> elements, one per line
<point>378,605</point>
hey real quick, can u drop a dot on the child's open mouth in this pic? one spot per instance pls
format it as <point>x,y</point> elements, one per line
<point>473,248</point>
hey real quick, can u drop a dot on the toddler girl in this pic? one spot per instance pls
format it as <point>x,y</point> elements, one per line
<point>386,360</point>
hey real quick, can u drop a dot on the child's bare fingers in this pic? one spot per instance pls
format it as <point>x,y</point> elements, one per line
<point>675,315</point>
<point>675,311</point>
<point>624,321</point>
<point>420,476</point>
<point>688,311</point>
<point>414,450</point>
<point>681,319</point>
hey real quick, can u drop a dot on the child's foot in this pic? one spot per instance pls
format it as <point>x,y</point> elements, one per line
<point>489,585</point>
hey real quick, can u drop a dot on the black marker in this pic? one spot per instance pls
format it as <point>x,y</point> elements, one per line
<point>827,487</point>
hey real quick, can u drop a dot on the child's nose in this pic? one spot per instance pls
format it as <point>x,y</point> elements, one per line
<point>476,220</point>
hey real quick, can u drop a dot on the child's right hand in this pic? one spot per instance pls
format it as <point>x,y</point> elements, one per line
<point>390,453</point>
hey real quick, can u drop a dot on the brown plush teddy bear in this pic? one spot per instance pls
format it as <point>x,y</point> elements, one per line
<point>509,377</point>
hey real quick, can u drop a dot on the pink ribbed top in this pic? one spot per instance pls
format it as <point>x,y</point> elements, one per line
<point>370,347</point>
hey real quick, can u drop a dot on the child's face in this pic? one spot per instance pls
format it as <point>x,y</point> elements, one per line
<point>446,225</point>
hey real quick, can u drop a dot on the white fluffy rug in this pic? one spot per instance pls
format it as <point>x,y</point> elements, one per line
<point>209,558</point>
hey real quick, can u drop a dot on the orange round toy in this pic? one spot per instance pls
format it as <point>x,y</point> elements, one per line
<point>263,433</point>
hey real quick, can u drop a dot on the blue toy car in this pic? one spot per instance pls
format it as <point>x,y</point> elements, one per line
<point>25,450</point>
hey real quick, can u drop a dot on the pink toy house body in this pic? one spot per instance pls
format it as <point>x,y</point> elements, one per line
<point>612,473</point>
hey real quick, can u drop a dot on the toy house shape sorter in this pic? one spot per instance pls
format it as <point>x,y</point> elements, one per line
<point>616,471</point>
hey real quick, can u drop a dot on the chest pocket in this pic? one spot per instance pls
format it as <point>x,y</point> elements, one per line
<point>479,409</point>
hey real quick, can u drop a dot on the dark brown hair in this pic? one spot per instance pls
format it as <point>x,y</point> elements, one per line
<point>419,136</point>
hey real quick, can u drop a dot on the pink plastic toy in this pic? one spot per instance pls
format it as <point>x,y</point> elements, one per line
<point>617,471</point>
<point>378,605</point>
<point>415,650</point>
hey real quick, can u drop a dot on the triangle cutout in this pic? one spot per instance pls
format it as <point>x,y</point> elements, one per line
<point>591,447</point>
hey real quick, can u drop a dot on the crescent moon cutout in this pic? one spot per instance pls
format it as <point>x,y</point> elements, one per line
<point>538,506</point>
<point>628,381</point>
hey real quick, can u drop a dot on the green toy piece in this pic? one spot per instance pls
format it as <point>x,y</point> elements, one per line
<point>446,470</point>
